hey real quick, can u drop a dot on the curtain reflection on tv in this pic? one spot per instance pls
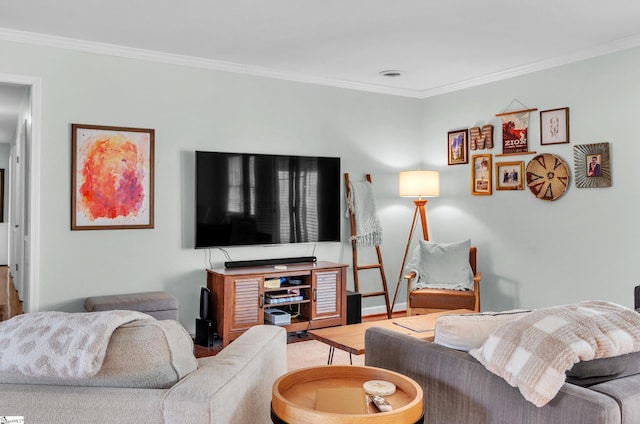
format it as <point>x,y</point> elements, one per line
<point>245,199</point>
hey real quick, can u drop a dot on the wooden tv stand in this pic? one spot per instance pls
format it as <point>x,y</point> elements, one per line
<point>239,296</point>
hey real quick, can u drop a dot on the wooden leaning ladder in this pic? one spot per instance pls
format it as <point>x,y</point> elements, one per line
<point>356,267</point>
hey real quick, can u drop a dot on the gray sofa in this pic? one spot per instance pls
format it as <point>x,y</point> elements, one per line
<point>459,390</point>
<point>149,375</point>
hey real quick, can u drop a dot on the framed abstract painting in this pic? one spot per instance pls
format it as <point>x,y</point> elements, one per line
<point>111,177</point>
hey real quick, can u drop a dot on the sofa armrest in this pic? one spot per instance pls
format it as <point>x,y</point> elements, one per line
<point>233,386</point>
<point>458,389</point>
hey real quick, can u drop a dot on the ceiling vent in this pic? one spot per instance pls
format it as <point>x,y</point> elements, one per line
<point>390,74</point>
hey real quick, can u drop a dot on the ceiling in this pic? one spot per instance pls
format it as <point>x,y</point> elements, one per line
<point>438,46</point>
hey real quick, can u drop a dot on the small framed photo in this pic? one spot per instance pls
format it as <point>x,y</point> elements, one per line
<point>509,175</point>
<point>554,126</point>
<point>481,175</point>
<point>458,146</point>
<point>592,165</point>
<point>111,177</point>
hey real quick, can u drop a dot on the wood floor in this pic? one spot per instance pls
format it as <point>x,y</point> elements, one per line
<point>202,351</point>
<point>10,305</point>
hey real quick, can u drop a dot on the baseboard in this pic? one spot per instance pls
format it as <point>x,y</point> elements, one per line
<point>377,310</point>
<point>371,310</point>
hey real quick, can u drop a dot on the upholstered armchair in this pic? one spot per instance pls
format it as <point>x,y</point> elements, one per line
<point>439,278</point>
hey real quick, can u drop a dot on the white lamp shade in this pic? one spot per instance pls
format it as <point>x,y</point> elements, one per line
<point>419,183</point>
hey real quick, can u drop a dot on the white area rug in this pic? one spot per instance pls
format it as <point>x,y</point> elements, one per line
<point>313,353</point>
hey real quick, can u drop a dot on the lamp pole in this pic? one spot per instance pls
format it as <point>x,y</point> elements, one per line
<point>420,206</point>
<point>420,209</point>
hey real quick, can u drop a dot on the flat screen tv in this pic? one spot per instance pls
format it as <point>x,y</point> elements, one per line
<point>249,199</point>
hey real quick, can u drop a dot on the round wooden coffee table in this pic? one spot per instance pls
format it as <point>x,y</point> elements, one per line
<point>294,396</point>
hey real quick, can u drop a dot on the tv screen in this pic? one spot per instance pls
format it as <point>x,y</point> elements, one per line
<point>249,199</point>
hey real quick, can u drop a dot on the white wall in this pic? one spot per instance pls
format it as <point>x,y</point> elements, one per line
<point>532,253</point>
<point>536,253</point>
<point>190,109</point>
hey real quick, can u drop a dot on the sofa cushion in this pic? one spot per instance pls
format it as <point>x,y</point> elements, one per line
<point>442,265</point>
<point>587,373</point>
<point>141,354</point>
<point>626,392</point>
<point>470,331</point>
<point>158,304</point>
<point>439,299</point>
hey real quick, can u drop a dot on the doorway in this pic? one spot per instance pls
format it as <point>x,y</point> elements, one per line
<point>24,192</point>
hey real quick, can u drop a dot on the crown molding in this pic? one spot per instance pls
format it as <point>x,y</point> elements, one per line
<point>196,62</point>
<point>601,50</point>
<point>191,61</point>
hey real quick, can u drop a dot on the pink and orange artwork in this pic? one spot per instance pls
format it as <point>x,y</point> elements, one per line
<point>112,183</point>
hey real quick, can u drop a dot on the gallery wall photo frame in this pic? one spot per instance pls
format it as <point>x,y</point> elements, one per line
<point>458,147</point>
<point>112,177</point>
<point>510,175</point>
<point>592,165</point>
<point>515,131</point>
<point>554,126</point>
<point>481,175</point>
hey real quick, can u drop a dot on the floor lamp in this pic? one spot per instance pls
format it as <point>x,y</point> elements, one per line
<point>416,184</point>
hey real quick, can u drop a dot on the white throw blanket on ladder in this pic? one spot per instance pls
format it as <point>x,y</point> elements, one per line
<point>60,344</point>
<point>362,203</point>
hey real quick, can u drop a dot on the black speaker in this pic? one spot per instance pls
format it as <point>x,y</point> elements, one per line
<point>277,261</point>
<point>205,303</point>
<point>354,307</point>
<point>204,332</point>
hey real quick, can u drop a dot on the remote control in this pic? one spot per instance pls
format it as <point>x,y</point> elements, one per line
<point>381,404</point>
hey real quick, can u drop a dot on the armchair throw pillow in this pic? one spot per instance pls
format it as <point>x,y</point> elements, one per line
<point>441,265</point>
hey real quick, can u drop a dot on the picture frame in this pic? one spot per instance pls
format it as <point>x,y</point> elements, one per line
<point>554,126</point>
<point>458,147</point>
<point>481,175</point>
<point>112,177</point>
<point>510,175</point>
<point>592,165</point>
<point>515,132</point>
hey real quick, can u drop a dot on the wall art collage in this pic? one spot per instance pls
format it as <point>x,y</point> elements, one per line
<point>546,175</point>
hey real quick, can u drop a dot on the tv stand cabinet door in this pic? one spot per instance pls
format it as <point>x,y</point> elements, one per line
<point>248,303</point>
<point>237,303</point>
<point>328,293</point>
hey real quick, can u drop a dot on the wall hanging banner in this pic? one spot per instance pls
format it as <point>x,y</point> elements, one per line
<point>515,132</point>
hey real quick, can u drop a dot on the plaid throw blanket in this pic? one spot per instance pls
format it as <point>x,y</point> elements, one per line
<point>534,352</point>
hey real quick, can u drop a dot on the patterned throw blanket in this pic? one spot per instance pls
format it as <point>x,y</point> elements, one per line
<point>59,344</point>
<point>534,352</point>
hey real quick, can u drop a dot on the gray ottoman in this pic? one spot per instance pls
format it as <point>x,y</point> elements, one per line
<point>160,305</point>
